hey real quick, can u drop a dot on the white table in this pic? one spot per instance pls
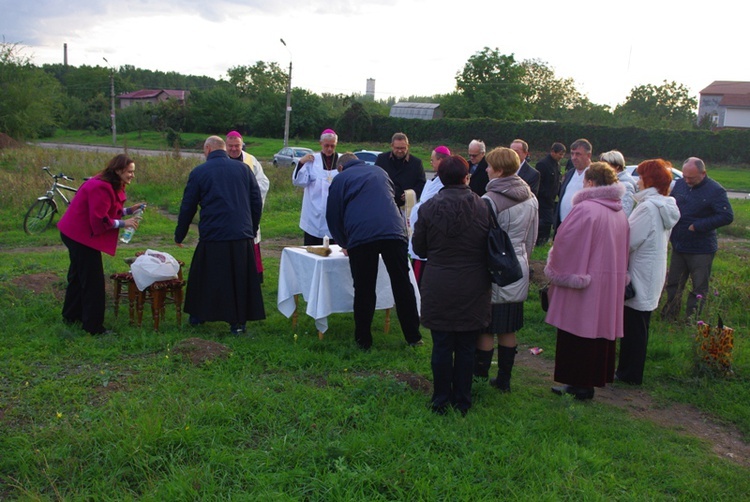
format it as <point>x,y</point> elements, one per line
<point>326,285</point>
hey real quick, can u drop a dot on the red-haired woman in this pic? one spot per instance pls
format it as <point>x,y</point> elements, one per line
<point>89,227</point>
<point>651,223</point>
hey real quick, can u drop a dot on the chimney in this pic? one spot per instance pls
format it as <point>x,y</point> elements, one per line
<point>65,55</point>
<point>370,88</point>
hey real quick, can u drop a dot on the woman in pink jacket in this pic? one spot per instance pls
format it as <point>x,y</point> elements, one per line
<point>89,227</point>
<point>587,269</point>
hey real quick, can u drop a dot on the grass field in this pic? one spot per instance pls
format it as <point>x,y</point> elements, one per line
<point>289,417</point>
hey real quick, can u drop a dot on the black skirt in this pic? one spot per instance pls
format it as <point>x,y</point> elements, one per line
<point>506,317</point>
<point>584,362</point>
<point>223,283</point>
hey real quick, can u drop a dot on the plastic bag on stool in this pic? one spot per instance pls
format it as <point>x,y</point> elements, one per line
<point>153,266</point>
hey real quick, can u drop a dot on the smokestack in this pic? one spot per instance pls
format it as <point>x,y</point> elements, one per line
<point>370,88</point>
<point>65,55</point>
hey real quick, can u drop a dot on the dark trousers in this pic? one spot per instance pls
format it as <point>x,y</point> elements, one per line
<point>453,368</point>
<point>84,296</point>
<point>363,261</point>
<point>682,266</point>
<point>633,346</point>
<point>546,220</point>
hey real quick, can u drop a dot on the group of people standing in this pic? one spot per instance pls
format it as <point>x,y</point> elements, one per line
<point>609,232</point>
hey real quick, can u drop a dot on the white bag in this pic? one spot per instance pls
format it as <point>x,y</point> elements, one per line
<point>153,266</point>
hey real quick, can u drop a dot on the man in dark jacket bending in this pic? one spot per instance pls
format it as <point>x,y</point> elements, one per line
<point>704,207</point>
<point>364,220</point>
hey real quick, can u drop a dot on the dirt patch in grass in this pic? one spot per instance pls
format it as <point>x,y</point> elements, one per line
<point>415,382</point>
<point>199,351</point>
<point>8,142</point>
<point>45,282</point>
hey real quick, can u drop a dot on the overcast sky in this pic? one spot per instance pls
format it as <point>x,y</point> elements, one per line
<point>410,47</point>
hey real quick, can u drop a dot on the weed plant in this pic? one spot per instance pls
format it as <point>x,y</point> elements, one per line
<point>288,417</point>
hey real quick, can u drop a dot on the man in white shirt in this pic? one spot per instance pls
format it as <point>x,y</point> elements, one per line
<point>580,154</point>
<point>315,173</point>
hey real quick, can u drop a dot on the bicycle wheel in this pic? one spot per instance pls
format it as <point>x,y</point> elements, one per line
<point>39,216</point>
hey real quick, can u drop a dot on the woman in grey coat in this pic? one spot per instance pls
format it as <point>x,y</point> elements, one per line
<point>517,212</point>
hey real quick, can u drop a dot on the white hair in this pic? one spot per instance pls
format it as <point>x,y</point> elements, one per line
<point>328,135</point>
<point>479,144</point>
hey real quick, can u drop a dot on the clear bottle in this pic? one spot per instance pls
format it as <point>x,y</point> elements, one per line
<point>129,231</point>
<point>326,241</point>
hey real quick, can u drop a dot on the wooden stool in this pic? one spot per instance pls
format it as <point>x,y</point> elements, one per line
<point>158,294</point>
<point>124,279</point>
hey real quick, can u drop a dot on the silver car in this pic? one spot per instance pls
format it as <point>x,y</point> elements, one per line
<point>676,175</point>
<point>289,156</point>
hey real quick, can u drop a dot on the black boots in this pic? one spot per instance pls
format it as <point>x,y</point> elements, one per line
<point>482,363</point>
<point>506,356</point>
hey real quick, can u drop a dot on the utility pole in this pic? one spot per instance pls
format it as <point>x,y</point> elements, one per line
<point>112,101</point>
<point>288,97</point>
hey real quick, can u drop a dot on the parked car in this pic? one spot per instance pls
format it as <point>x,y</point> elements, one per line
<point>289,156</point>
<point>369,156</point>
<point>676,174</point>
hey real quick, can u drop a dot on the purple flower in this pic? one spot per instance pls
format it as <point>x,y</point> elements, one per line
<point>701,323</point>
<point>700,297</point>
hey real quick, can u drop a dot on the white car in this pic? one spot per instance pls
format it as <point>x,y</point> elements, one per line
<point>676,175</point>
<point>369,156</point>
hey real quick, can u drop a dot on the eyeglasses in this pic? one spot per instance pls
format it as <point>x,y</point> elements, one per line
<point>472,155</point>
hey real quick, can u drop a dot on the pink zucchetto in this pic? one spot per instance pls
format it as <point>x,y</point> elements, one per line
<point>443,150</point>
<point>328,131</point>
<point>234,134</point>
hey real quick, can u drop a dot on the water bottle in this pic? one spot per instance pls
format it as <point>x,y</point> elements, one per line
<point>128,233</point>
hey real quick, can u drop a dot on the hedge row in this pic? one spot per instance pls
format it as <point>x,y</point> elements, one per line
<point>713,146</point>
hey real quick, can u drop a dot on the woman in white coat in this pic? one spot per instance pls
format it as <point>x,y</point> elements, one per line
<point>651,223</point>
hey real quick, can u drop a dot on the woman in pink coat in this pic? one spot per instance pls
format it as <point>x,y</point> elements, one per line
<point>587,269</point>
<point>89,227</point>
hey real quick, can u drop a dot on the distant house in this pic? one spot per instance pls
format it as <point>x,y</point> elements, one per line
<point>423,111</point>
<point>152,97</point>
<point>726,103</point>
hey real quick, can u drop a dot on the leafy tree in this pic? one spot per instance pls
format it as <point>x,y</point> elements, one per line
<point>666,105</point>
<point>260,79</point>
<point>549,96</point>
<point>355,124</point>
<point>29,98</point>
<point>217,110</point>
<point>491,85</point>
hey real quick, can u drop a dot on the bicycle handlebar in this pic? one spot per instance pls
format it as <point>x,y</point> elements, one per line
<point>58,176</point>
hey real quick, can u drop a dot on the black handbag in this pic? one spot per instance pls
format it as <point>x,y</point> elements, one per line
<point>544,296</point>
<point>502,261</point>
<point>629,291</point>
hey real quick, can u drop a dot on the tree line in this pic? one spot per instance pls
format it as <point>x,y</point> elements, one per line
<point>35,100</point>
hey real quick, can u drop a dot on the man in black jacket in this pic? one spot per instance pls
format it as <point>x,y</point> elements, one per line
<point>364,220</point>
<point>704,207</point>
<point>549,185</point>
<point>478,177</point>
<point>404,169</point>
<point>526,172</point>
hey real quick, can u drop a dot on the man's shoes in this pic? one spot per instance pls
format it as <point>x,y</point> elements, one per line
<point>237,329</point>
<point>194,321</point>
<point>418,343</point>
<point>580,393</point>
<point>106,332</point>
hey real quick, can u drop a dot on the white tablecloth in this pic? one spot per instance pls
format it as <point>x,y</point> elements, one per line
<point>326,284</point>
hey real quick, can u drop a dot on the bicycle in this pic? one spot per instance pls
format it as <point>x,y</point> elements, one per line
<point>39,216</point>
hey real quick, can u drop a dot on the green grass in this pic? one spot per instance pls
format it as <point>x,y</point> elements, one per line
<point>284,418</point>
